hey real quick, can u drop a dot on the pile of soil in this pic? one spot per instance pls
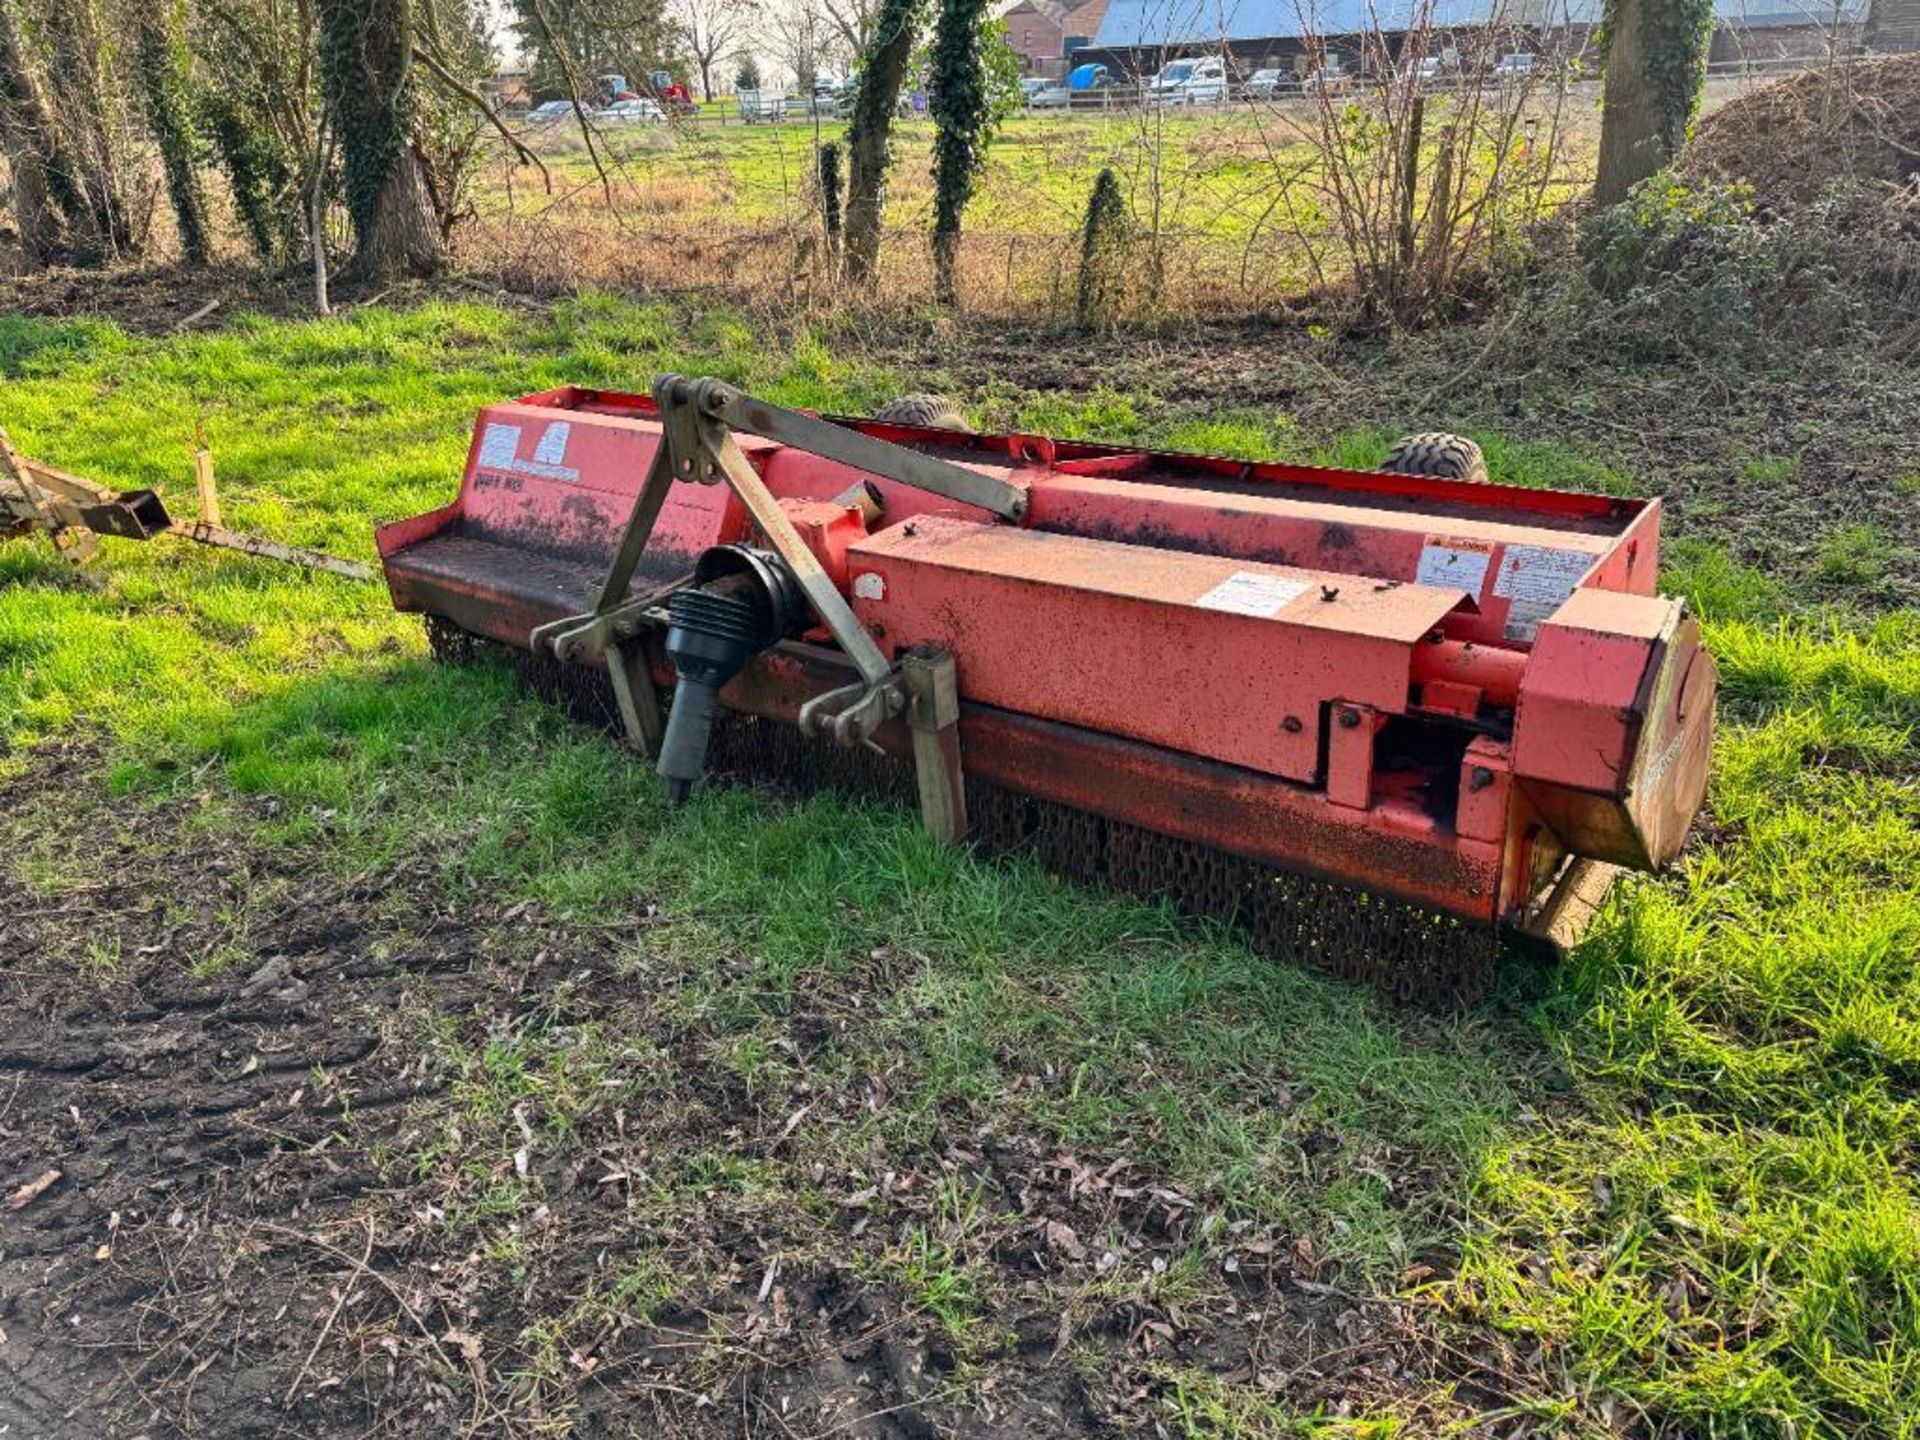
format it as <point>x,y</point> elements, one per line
<point>1789,140</point>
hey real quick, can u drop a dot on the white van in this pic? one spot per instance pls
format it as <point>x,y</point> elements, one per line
<point>1190,82</point>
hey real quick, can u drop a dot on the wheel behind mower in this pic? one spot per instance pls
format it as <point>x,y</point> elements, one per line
<point>1439,455</point>
<point>934,412</point>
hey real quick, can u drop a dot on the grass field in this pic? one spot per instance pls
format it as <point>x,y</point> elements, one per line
<point>1231,199</point>
<point>1667,1189</point>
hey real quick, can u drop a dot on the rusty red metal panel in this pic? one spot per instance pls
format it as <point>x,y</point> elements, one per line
<point>1579,713</point>
<point>1215,657</point>
<point>1501,560</point>
<point>563,482</point>
<point>1614,730</point>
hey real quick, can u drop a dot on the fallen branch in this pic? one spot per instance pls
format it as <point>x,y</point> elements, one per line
<point>33,1190</point>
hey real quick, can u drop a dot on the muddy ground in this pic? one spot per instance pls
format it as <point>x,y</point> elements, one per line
<point>249,1171</point>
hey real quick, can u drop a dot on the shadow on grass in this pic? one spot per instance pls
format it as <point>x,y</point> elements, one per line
<point>992,996</point>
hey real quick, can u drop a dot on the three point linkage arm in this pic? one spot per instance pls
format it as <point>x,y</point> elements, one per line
<point>698,420</point>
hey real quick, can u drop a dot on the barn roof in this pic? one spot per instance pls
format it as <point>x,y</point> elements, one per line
<point>1131,23</point>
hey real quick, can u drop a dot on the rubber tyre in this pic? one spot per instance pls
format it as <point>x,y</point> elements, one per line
<point>932,412</point>
<point>1439,455</point>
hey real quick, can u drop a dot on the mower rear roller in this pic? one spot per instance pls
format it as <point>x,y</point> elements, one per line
<point>1420,957</point>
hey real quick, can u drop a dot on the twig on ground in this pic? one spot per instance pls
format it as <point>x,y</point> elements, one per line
<point>346,1293</point>
<point>197,316</point>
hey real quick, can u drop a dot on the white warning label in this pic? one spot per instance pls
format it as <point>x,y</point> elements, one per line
<point>1537,579</point>
<point>1455,564</point>
<point>500,450</point>
<point>1247,593</point>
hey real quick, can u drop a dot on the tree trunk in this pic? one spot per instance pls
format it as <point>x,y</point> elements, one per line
<point>162,74</point>
<point>90,129</point>
<point>1656,65</point>
<point>962,117</point>
<point>869,152</point>
<point>366,51</point>
<point>25,129</point>
<point>405,239</point>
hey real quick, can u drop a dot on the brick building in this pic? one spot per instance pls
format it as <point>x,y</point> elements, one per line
<point>1044,33</point>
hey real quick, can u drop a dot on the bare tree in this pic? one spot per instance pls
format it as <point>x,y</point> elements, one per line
<point>804,41</point>
<point>711,30</point>
<point>853,20</point>
<point>65,133</point>
<point>85,96</point>
<point>28,140</point>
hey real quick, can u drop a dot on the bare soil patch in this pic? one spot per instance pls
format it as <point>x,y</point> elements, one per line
<point>284,1169</point>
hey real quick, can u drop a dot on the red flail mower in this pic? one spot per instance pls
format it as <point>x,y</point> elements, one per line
<point>1380,720</point>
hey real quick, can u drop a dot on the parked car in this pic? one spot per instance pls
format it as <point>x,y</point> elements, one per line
<point>1330,79</point>
<point>1426,73</point>
<point>550,112</point>
<point>761,105</point>
<point>1031,86</point>
<point>1189,82</point>
<point>638,111</point>
<point>1269,84</point>
<point>1513,70</point>
<point>1079,88</point>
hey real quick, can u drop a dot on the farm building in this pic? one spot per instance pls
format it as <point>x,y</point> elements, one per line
<point>1894,26</point>
<point>1138,36</point>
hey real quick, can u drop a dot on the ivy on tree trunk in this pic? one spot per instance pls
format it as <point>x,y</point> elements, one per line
<point>869,135</point>
<point>366,60</point>
<point>1656,65</point>
<point>831,211</point>
<point>1104,240</point>
<point>962,116</point>
<point>163,76</point>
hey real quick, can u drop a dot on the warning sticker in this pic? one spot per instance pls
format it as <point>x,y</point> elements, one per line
<point>1455,564</point>
<point>1247,593</point>
<point>1537,579</point>
<point>500,450</point>
<point>869,585</point>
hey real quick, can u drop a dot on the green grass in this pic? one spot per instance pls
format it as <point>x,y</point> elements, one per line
<point>1217,170</point>
<point>1680,1169</point>
<point>1854,556</point>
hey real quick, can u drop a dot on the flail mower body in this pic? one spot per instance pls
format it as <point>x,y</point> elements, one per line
<point>1380,719</point>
